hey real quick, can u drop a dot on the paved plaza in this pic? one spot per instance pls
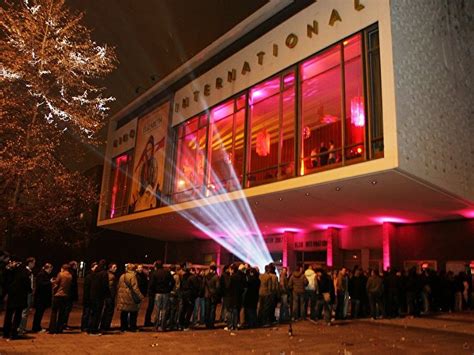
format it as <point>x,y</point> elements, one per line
<point>443,334</point>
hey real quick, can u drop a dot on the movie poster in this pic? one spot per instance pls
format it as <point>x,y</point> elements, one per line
<point>149,162</point>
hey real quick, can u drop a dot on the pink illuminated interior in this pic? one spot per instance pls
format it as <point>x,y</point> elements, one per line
<point>326,78</point>
<point>191,157</point>
<point>268,102</point>
<point>226,146</point>
<point>321,106</point>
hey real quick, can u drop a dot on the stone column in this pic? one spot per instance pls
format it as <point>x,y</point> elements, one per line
<point>288,249</point>
<point>333,251</point>
<point>388,231</point>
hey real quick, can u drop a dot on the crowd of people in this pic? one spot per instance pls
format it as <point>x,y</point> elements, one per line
<point>181,297</point>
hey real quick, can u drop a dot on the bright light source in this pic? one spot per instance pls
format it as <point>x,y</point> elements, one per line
<point>218,215</point>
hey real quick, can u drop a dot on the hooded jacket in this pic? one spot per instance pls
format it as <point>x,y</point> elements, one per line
<point>297,282</point>
<point>312,282</point>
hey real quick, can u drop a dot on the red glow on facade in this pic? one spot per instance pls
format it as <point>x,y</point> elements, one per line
<point>119,161</point>
<point>289,230</point>
<point>390,219</point>
<point>469,213</point>
<point>327,226</point>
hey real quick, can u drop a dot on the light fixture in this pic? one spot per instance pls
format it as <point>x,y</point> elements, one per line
<point>306,194</point>
<point>374,182</point>
<point>306,132</point>
<point>357,111</point>
<point>338,188</point>
<point>263,143</point>
<point>280,198</point>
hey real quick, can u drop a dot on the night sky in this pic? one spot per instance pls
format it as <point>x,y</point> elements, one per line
<point>154,37</point>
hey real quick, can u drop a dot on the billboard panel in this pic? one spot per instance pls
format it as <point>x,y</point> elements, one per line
<point>149,162</point>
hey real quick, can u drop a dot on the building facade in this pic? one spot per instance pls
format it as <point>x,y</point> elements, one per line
<point>344,125</point>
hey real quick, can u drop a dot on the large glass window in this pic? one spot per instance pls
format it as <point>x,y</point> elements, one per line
<point>271,121</point>
<point>332,87</point>
<point>226,149</point>
<point>321,111</point>
<point>190,163</point>
<point>375,94</point>
<point>120,182</point>
<point>355,100</point>
<point>340,123</point>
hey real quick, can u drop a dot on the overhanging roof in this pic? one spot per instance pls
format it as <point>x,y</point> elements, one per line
<point>352,202</point>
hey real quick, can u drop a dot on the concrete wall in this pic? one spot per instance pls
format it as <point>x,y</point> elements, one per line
<point>433,54</point>
<point>442,241</point>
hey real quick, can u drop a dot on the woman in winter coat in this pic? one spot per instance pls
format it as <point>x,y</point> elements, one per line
<point>129,298</point>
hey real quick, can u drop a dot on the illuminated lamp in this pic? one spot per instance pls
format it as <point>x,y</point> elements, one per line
<point>228,158</point>
<point>327,226</point>
<point>468,213</point>
<point>181,183</point>
<point>357,111</point>
<point>306,132</point>
<point>329,119</point>
<point>263,143</point>
<point>390,219</point>
<point>359,150</point>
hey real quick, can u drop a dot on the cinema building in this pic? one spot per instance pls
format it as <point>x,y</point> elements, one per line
<point>346,125</point>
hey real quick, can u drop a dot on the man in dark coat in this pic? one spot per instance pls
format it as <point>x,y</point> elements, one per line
<point>17,288</point>
<point>29,265</point>
<point>236,289</point>
<point>161,284</point>
<point>189,290</point>
<point>43,295</point>
<point>357,292</point>
<point>211,296</point>
<point>86,299</point>
<point>109,302</point>
<point>326,294</point>
<point>99,291</point>
<point>151,300</point>
<point>251,298</point>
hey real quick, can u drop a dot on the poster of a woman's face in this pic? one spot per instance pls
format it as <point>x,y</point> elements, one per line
<point>148,168</point>
<point>149,161</point>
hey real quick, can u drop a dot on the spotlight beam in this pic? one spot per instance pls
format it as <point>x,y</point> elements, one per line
<point>230,223</point>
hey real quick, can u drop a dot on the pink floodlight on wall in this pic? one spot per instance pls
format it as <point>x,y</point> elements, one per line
<point>119,161</point>
<point>467,213</point>
<point>222,111</point>
<point>357,111</point>
<point>327,226</point>
<point>264,90</point>
<point>390,219</point>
